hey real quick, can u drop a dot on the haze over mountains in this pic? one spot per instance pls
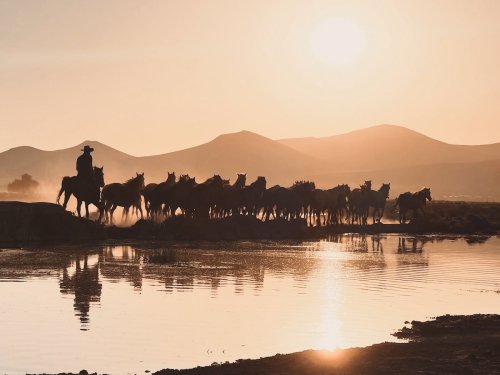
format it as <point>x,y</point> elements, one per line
<point>384,153</point>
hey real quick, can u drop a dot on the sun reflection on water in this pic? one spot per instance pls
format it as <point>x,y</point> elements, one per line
<point>216,302</point>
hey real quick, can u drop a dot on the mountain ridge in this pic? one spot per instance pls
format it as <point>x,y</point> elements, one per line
<point>380,152</point>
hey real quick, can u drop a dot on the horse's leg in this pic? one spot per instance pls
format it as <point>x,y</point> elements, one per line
<point>100,206</point>
<point>66,198</point>
<point>107,209</point>
<point>78,207</point>
<point>125,213</point>
<point>87,210</point>
<point>112,211</point>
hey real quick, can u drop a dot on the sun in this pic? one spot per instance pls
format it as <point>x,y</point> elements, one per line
<point>337,41</point>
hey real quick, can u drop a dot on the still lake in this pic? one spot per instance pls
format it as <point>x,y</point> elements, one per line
<point>136,307</point>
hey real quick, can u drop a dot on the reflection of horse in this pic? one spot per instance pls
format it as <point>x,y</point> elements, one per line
<point>84,191</point>
<point>415,202</point>
<point>85,286</point>
<point>414,246</point>
<point>124,195</point>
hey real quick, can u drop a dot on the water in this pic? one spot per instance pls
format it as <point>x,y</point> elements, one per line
<point>128,309</point>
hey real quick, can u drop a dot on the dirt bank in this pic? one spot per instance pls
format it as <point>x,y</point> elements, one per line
<point>447,345</point>
<point>22,223</point>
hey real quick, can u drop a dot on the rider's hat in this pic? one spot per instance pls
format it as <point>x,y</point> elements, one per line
<point>87,148</point>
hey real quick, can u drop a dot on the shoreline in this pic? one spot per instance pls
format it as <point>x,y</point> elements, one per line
<point>46,223</point>
<point>448,344</point>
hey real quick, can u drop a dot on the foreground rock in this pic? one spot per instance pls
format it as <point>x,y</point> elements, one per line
<point>22,222</point>
<point>447,345</point>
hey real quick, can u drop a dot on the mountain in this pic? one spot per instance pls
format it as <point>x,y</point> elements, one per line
<point>384,153</point>
<point>388,146</point>
<point>226,155</point>
<point>229,154</point>
<point>48,167</point>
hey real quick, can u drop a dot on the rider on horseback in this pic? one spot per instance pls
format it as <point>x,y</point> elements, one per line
<point>84,167</point>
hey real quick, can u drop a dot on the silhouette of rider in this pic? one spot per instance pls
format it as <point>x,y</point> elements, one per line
<point>84,167</point>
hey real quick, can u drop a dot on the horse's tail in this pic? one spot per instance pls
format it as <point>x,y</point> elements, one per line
<point>63,188</point>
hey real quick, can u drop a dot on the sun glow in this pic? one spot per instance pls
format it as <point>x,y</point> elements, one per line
<point>337,41</point>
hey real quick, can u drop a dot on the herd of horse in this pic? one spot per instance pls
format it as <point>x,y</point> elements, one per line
<point>216,198</point>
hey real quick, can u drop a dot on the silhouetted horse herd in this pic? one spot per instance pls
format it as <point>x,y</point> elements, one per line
<point>216,198</point>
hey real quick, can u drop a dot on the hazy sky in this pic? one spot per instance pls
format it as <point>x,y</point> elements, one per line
<point>155,76</point>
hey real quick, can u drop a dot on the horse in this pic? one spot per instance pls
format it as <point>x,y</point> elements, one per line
<point>358,203</point>
<point>229,199</point>
<point>298,200</point>
<point>377,200</point>
<point>124,195</point>
<point>337,203</point>
<point>205,196</point>
<point>273,202</point>
<point>155,195</point>
<point>330,203</point>
<point>180,195</point>
<point>84,191</point>
<point>416,202</point>
<point>147,194</point>
<point>251,196</point>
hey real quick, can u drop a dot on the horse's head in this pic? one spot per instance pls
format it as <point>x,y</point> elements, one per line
<point>186,180</point>
<point>345,189</point>
<point>384,189</point>
<point>426,193</point>
<point>170,177</point>
<point>307,186</point>
<point>241,180</point>
<point>99,176</point>
<point>261,181</point>
<point>140,180</point>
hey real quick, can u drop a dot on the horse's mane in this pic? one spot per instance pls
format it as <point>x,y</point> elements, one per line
<point>132,181</point>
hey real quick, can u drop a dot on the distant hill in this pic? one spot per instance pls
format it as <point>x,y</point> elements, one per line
<point>226,155</point>
<point>384,153</point>
<point>388,146</point>
<point>229,154</point>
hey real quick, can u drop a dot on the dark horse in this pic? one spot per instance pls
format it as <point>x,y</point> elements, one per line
<point>84,191</point>
<point>377,200</point>
<point>124,195</point>
<point>416,202</point>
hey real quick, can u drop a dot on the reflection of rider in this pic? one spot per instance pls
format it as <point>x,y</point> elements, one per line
<point>84,164</point>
